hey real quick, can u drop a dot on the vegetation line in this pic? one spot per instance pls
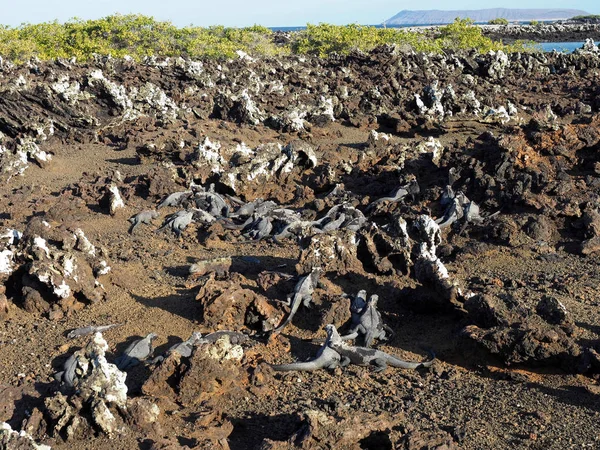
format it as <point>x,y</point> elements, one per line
<point>139,36</point>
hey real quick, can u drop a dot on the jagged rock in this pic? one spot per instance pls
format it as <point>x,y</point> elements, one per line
<point>225,304</point>
<point>99,385</point>
<point>214,371</point>
<point>266,168</point>
<point>333,252</point>
<point>531,342</point>
<point>157,384</point>
<point>552,311</point>
<point>320,430</point>
<point>13,440</point>
<point>115,200</point>
<point>487,311</point>
<point>57,265</point>
<point>220,266</point>
<point>433,147</point>
<point>143,414</point>
<point>495,67</point>
<point>430,440</point>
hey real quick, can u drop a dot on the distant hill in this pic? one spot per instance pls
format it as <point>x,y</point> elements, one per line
<point>435,16</point>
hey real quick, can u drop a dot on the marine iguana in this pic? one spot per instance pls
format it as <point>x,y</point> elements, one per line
<point>91,329</point>
<point>143,217</point>
<point>175,199</point>
<point>68,375</point>
<point>302,294</point>
<point>136,352</point>
<point>211,202</point>
<point>369,324</point>
<point>411,188</point>
<point>326,358</point>
<point>357,306</point>
<point>363,356</point>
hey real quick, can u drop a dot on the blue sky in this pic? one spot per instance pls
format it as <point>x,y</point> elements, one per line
<point>248,12</point>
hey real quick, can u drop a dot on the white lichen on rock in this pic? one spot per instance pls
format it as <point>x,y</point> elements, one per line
<point>115,200</point>
<point>10,439</point>
<point>434,147</point>
<point>6,262</point>
<point>98,384</point>
<point>83,243</point>
<point>208,154</point>
<point>222,350</point>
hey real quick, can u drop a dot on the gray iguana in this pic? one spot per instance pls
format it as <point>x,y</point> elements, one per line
<point>363,356</point>
<point>143,217</point>
<point>369,324</point>
<point>303,292</point>
<point>326,358</point>
<point>137,351</point>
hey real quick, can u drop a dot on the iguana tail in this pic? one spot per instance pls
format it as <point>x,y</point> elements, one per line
<point>396,362</point>
<point>295,306</point>
<point>328,359</point>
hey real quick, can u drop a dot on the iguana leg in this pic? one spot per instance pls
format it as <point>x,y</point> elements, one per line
<point>345,361</point>
<point>390,332</point>
<point>306,301</point>
<point>133,226</point>
<point>380,364</point>
<point>369,337</point>
<point>333,365</point>
<point>350,336</point>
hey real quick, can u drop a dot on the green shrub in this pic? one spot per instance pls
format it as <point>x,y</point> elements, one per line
<point>498,21</point>
<point>139,36</point>
<point>588,17</point>
<point>534,23</point>
<point>462,34</point>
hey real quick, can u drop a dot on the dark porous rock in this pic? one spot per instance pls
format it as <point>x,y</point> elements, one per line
<point>319,430</point>
<point>552,311</point>
<point>158,384</point>
<point>336,312</point>
<point>542,229</point>
<point>590,246</point>
<point>487,311</point>
<point>532,342</point>
<point>143,414</point>
<point>430,440</point>
<point>225,303</point>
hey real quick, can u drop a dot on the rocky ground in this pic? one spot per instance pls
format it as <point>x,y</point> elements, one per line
<point>545,32</point>
<point>354,159</point>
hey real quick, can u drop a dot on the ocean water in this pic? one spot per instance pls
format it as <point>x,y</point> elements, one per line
<point>566,47</point>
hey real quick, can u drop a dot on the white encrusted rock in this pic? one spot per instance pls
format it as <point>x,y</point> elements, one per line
<point>223,350</point>
<point>10,439</point>
<point>434,147</point>
<point>115,200</point>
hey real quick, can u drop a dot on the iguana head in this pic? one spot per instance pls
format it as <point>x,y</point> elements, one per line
<point>373,300</point>
<point>315,274</point>
<point>359,302</point>
<point>333,337</point>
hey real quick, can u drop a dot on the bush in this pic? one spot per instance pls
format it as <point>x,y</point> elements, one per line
<point>588,17</point>
<point>140,36</point>
<point>135,35</point>
<point>463,35</point>
<point>534,23</point>
<point>325,39</point>
<point>498,21</point>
